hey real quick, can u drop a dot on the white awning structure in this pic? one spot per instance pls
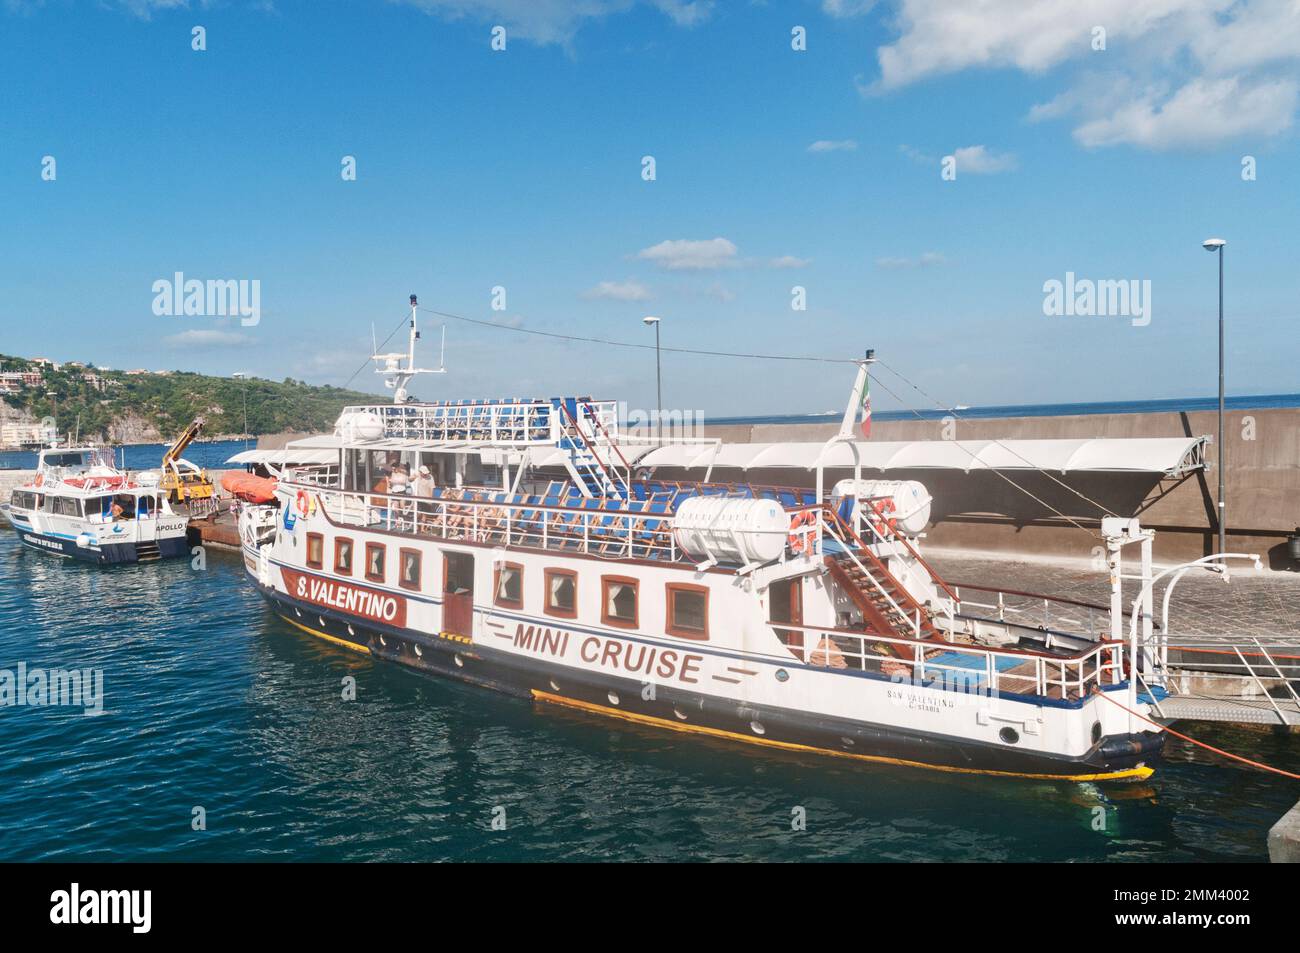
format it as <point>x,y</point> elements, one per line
<point>1173,456</point>
<point>277,458</point>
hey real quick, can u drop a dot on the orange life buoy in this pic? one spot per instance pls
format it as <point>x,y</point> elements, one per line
<point>801,542</point>
<point>882,520</point>
<point>303,503</point>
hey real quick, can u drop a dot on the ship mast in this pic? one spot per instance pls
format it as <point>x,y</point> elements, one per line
<point>397,375</point>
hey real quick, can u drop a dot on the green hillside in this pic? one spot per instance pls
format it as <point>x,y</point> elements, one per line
<point>132,402</point>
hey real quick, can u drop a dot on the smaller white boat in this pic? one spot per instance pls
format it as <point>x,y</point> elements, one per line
<point>80,505</point>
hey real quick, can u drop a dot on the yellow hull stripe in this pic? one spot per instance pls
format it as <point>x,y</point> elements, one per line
<point>1138,773</point>
<point>364,649</point>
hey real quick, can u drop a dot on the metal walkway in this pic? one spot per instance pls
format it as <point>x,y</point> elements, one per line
<point>1260,711</point>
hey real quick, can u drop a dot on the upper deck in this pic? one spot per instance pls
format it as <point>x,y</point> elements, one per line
<point>513,422</point>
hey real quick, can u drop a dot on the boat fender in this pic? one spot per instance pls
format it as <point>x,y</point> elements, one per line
<point>304,503</point>
<point>40,478</point>
<point>85,540</point>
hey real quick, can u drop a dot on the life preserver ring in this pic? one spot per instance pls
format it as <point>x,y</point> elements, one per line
<point>304,503</point>
<point>881,518</point>
<point>800,540</point>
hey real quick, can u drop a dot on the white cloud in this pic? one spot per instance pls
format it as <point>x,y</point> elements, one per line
<point>924,260</point>
<point>979,160</point>
<point>1174,73</point>
<point>788,261</point>
<point>719,292</point>
<point>847,8</point>
<point>1226,106</point>
<point>196,339</point>
<point>684,254</point>
<point>618,291</point>
<point>554,21</point>
<point>833,145</point>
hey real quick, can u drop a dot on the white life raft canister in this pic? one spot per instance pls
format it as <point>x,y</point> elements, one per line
<point>905,503</point>
<point>731,530</point>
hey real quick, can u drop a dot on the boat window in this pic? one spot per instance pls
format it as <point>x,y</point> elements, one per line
<point>618,601</point>
<point>409,575</point>
<point>688,611</point>
<point>510,585</point>
<point>375,562</point>
<point>561,593</point>
<point>315,550</point>
<point>66,506</point>
<point>343,556</point>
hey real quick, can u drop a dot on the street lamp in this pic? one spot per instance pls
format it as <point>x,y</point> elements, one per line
<point>659,382</point>
<point>244,378</point>
<point>1217,245</point>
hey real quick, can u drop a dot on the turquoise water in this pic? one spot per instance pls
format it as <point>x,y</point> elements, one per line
<point>212,702</point>
<point>145,456</point>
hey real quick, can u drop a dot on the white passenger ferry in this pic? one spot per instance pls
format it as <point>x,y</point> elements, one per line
<point>535,559</point>
<point>80,505</point>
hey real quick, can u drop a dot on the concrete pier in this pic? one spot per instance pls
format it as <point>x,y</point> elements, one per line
<point>1284,838</point>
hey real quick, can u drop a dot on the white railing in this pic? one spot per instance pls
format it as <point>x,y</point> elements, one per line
<point>1070,676</point>
<point>513,422</point>
<point>606,528</point>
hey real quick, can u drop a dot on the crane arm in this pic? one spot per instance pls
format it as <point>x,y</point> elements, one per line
<point>184,440</point>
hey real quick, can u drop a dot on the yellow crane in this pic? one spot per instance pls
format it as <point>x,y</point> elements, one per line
<point>184,482</point>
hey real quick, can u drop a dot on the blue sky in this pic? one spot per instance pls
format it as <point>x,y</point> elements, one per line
<point>522,169</point>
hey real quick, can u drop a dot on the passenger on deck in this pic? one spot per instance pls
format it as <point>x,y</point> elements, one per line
<point>399,484</point>
<point>424,487</point>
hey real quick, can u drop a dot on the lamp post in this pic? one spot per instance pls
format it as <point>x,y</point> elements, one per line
<point>244,379</point>
<point>659,385</point>
<point>1217,245</point>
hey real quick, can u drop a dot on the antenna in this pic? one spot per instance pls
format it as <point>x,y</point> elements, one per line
<point>397,374</point>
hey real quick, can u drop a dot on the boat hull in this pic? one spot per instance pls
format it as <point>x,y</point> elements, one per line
<point>104,555</point>
<point>1115,757</point>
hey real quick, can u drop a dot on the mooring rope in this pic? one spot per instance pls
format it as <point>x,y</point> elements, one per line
<point>1202,744</point>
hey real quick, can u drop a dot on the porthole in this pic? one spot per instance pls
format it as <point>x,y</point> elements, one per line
<point>1096,732</point>
<point>613,698</point>
<point>847,742</point>
<point>681,715</point>
<point>419,652</point>
<point>554,687</point>
<point>782,675</point>
<point>1009,735</point>
<point>757,728</point>
<point>351,631</point>
<point>297,612</point>
<point>460,662</point>
<point>321,620</point>
<point>383,641</point>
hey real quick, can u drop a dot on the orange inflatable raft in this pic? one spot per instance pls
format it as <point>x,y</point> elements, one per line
<point>249,488</point>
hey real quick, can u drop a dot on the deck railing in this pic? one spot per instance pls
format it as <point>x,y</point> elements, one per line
<point>976,669</point>
<point>607,528</point>
<point>514,422</point>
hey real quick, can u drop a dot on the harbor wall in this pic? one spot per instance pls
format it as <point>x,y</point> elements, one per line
<point>984,511</point>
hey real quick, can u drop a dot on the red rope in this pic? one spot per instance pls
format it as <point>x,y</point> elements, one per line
<point>1202,744</point>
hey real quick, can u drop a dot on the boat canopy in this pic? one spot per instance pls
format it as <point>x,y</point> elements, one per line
<point>1173,456</point>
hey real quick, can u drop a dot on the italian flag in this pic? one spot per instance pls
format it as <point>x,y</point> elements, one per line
<point>866,406</point>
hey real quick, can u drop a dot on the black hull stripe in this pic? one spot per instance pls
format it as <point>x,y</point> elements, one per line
<point>526,677</point>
